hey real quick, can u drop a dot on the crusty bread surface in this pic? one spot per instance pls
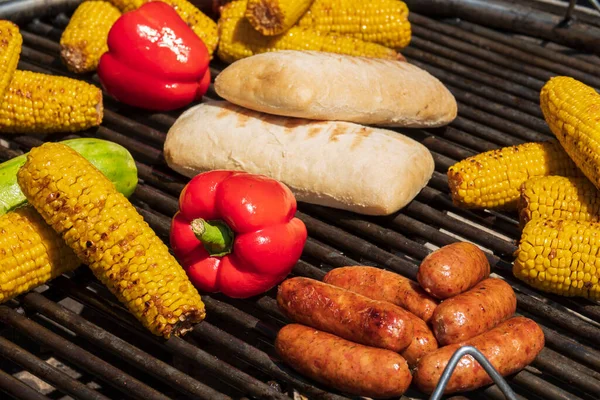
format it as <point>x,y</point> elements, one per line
<point>328,86</point>
<point>338,164</point>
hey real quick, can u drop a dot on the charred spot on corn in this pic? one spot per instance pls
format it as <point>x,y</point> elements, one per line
<point>84,40</point>
<point>129,259</point>
<point>238,39</point>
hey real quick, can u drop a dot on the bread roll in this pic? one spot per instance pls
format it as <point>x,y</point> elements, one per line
<point>337,164</point>
<point>328,86</point>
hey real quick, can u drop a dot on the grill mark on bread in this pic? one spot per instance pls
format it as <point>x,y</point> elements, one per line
<point>291,123</point>
<point>337,131</point>
<point>360,135</point>
<point>314,131</point>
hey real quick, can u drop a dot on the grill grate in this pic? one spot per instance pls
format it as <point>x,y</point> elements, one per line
<point>496,79</point>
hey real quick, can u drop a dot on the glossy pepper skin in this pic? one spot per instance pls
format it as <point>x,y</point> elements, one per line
<point>154,60</point>
<point>247,222</point>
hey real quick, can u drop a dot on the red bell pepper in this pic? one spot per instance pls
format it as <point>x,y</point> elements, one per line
<point>154,60</point>
<point>236,232</point>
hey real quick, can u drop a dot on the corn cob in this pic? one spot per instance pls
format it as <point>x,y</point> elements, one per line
<point>378,21</point>
<point>31,253</point>
<point>272,17</point>
<point>559,197</point>
<point>238,39</point>
<point>200,23</point>
<point>107,233</point>
<point>84,40</point>
<point>561,257</point>
<point>39,103</point>
<point>10,51</point>
<point>572,111</point>
<point>492,179</point>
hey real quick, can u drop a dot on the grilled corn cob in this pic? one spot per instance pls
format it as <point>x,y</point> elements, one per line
<point>107,233</point>
<point>561,257</point>
<point>31,253</point>
<point>378,21</point>
<point>84,40</point>
<point>493,179</point>
<point>559,197</point>
<point>39,103</point>
<point>238,39</point>
<point>272,17</point>
<point>200,23</point>
<point>10,51</point>
<point>572,111</point>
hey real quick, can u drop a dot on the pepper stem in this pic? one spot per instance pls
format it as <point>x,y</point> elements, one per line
<point>216,236</point>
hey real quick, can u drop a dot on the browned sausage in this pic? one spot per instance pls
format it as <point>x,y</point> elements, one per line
<point>473,312</point>
<point>346,314</point>
<point>379,284</point>
<point>352,368</point>
<point>453,269</point>
<point>423,342</point>
<point>509,347</point>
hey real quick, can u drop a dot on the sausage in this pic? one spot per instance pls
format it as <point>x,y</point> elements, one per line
<point>379,284</point>
<point>509,347</point>
<point>423,342</point>
<point>349,367</point>
<point>346,314</point>
<point>473,312</point>
<point>453,269</point>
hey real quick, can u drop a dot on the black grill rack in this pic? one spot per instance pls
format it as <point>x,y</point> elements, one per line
<point>75,336</point>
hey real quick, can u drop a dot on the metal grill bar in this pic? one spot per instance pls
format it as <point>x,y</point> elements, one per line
<point>37,366</point>
<point>14,387</point>
<point>129,353</point>
<point>80,357</point>
<point>497,50</point>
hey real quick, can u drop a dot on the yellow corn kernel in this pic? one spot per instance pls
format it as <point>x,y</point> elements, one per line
<point>238,39</point>
<point>200,23</point>
<point>107,233</point>
<point>10,51</point>
<point>377,21</point>
<point>492,179</point>
<point>572,111</point>
<point>559,197</point>
<point>39,103</point>
<point>84,40</point>
<point>272,17</point>
<point>561,257</point>
<point>31,253</point>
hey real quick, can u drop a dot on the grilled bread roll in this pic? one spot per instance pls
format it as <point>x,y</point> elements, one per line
<point>328,86</point>
<point>337,164</point>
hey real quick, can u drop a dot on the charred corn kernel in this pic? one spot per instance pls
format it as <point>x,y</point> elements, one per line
<point>238,39</point>
<point>107,233</point>
<point>39,103</point>
<point>492,179</point>
<point>272,17</point>
<point>559,197</point>
<point>378,21</point>
<point>200,23</point>
<point>572,111</point>
<point>84,40</point>
<point>10,51</point>
<point>560,256</point>
<point>31,253</point>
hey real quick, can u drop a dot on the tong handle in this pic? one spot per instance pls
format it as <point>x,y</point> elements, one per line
<point>487,366</point>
